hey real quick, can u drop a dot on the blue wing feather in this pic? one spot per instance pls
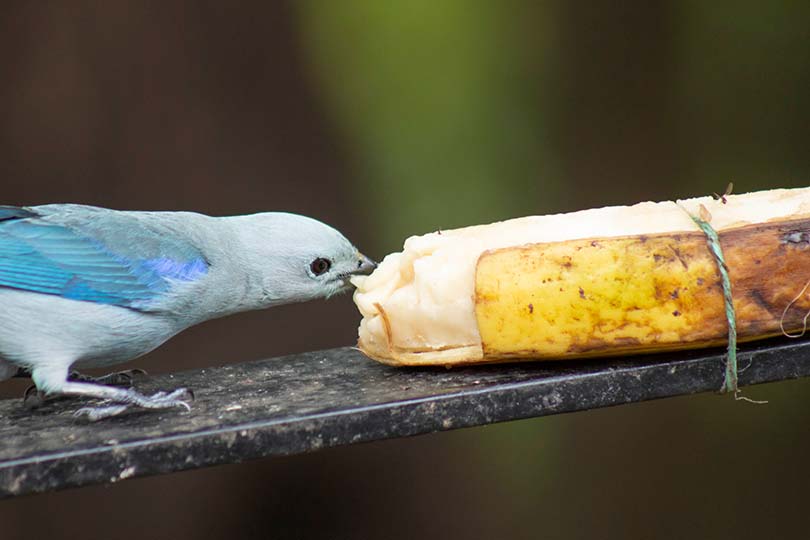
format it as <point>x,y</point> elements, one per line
<point>49,257</point>
<point>11,212</point>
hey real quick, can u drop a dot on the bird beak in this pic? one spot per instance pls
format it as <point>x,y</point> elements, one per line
<point>365,266</point>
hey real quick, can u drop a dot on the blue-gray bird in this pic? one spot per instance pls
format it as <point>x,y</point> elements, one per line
<point>82,286</point>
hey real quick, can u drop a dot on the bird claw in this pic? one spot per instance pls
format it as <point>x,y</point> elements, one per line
<point>163,400</point>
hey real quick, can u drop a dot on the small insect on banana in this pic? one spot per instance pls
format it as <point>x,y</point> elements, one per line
<point>722,198</point>
<point>86,287</point>
<point>607,281</point>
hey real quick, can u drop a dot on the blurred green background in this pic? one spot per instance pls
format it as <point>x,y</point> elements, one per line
<point>388,119</point>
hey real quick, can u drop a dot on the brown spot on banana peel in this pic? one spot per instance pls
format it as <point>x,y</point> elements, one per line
<point>677,253</point>
<point>622,312</point>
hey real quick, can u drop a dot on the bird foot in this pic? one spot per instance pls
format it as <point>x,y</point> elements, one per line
<point>34,398</point>
<point>160,400</point>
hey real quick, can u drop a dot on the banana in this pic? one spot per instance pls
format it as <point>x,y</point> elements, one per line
<point>600,282</point>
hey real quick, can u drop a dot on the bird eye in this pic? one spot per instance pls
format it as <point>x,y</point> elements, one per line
<point>320,266</point>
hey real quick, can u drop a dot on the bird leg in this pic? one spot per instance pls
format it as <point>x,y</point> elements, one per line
<point>54,382</point>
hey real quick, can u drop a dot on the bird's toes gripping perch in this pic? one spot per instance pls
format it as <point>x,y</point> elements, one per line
<point>160,400</point>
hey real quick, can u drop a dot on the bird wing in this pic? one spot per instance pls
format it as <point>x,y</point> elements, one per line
<point>94,255</point>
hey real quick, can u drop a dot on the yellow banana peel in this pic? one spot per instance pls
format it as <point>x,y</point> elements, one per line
<point>618,280</point>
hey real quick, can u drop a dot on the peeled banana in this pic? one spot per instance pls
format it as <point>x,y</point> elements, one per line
<point>615,280</point>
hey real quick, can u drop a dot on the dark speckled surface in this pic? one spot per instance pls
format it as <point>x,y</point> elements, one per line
<point>309,401</point>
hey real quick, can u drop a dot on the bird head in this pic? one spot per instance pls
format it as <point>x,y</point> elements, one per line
<point>298,258</point>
